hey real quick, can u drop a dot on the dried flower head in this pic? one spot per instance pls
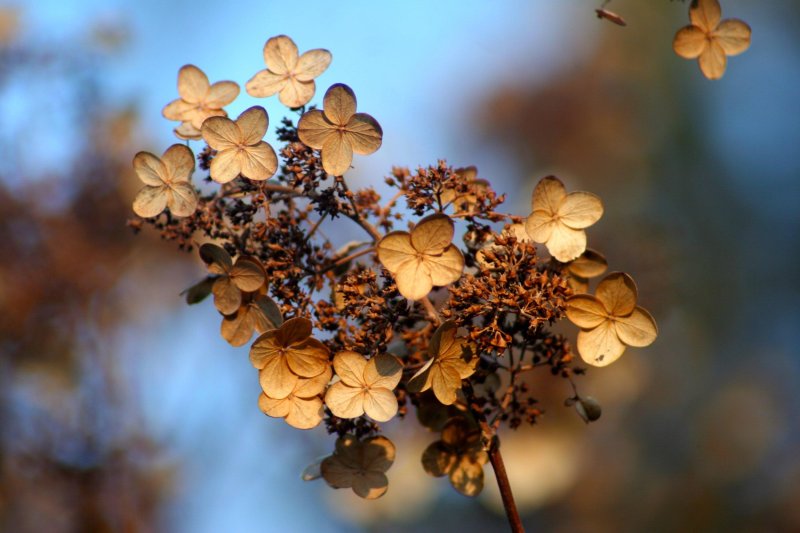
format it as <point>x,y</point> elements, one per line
<point>257,315</point>
<point>709,40</point>
<point>198,101</point>
<point>364,386</point>
<point>610,320</point>
<point>360,465</point>
<point>423,258</point>
<point>287,73</point>
<point>245,275</point>
<point>589,264</point>
<point>287,354</point>
<point>452,359</point>
<point>459,455</point>
<point>167,182</point>
<point>239,146</point>
<point>302,408</point>
<point>338,131</point>
<point>558,219</point>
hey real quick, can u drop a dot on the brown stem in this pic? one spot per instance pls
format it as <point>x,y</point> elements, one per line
<point>499,467</point>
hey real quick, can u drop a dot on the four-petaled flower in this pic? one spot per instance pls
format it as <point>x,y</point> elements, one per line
<point>558,219</point>
<point>239,145</point>
<point>423,258</point>
<point>459,455</point>
<point>338,131</point>
<point>364,386</point>
<point>610,320</point>
<point>452,359</point>
<point>257,313</point>
<point>589,264</point>
<point>709,40</point>
<point>302,408</point>
<point>360,465</point>
<point>198,101</point>
<point>286,355</point>
<point>245,275</point>
<point>289,75</point>
<point>167,182</point>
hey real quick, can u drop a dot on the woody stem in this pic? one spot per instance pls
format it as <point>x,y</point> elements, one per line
<point>500,474</point>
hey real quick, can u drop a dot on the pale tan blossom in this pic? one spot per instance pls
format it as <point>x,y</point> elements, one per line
<point>558,219</point>
<point>246,274</point>
<point>256,314</point>
<point>167,182</point>
<point>360,465</point>
<point>610,320</point>
<point>239,145</point>
<point>452,360</point>
<point>338,131</point>
<point>364,386</point>
<point>302,408</point>
<point>198,101</point>
<point>423,258</point>
<point>709,40</point>
<point>286,355</point>
<point>589,264</point>
<point>459,455</point>
<point>287,73</point>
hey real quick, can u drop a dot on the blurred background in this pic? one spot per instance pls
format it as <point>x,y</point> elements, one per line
<point>122,409</point>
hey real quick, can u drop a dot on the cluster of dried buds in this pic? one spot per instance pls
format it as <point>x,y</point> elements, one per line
<point>408,318</point>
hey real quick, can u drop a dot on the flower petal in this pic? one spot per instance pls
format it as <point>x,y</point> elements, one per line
<point>225,166</point>
<point>253,124</point>
<point>221,133</point>
<point>192,84</point>
<point>383,370</point>
<point>548,194</point>
<point>339,104</point>
<point>221,94</point>
<point>446,268</point>
<point>733,35</point>
<point>314,129</point>
<point>312,64</point>
<point>638,329</point>
<point>265,83</point>
<point>280,54</point>
<point>182,199</point>
<point>600,346</point>
<point>344,401</point>
<point>618,294</point>
<point>350,367</point>
<point>433,234</point>
<point>705,14</point>
<point>585,311</point>
<point>150,169</point>
<point>690,42</point>
<point>296,93</point>
<point>258,162</point>
<point>580,209</point>
<point>364,133</point>
<point>713,61</point>
<point>150,201</point>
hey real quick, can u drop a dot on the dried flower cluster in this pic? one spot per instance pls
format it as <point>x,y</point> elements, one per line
<point>422,314</point>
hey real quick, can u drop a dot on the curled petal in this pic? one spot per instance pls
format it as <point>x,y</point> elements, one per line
<point>150,201</point>
<point>600,346</point>
<point>733,36</point>
<point>265,83</point>
<point>690,42</point>
<point>637,329</point>
<point>312,64</point>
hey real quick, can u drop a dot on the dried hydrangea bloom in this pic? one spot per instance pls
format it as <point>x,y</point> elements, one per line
<point>423,258</point>
<point>610,320</point>
<point>198,101</point>
<point>709,40</point>
<point>464,202</point>
<point>459,455</point>
<point>167,182</point>
<point>364,386</point>
<point>288,74</point>
<point>286,355</point>
<point>245,275</point>
<point>558,219</point>
<point>360,465</point>
<point>302,408</point>
<point>338,131</point>
<point>239,147</point>
<point>258,315</point>
<point>589,264</point>
<point>452,359</point>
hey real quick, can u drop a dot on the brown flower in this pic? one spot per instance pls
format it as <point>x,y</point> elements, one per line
<point>459,455</point>
<point>709,40</point>
<point>423,258</point>
<point>245,275</point>
<point>198,101</point>
<point>167,182</point>
<point>239,147</point>
<point>364,386</point>
<point>452,359</point>
<point>610,320</point>
<point>338,131</point>
<point>302,408</point>
<point>286,355</point>
<point>289,75</point>
<point>360,465</point>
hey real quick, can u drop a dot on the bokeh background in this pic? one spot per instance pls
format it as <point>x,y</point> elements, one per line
<point>122,409</point>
